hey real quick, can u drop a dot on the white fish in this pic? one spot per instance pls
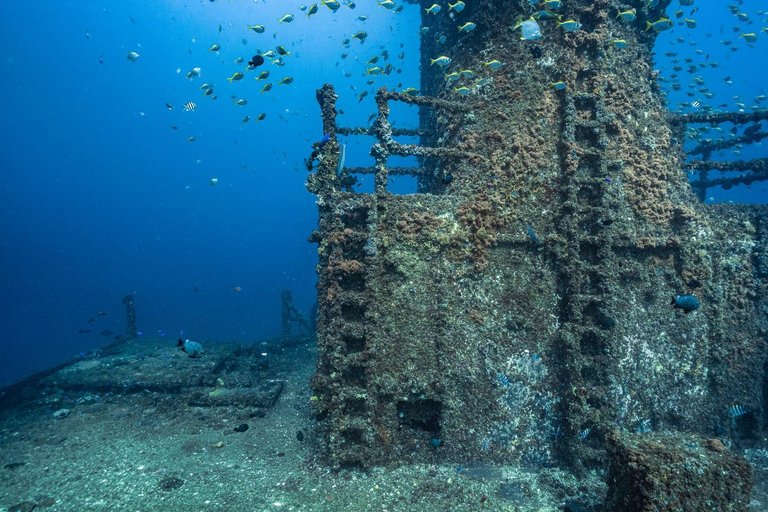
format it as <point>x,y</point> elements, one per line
<point>530,30</point>
<point>342,156</point>
<point>132,56</point>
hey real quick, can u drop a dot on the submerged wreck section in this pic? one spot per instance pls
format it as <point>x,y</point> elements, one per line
<point>516,309</point>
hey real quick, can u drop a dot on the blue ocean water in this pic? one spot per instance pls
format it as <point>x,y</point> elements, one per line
<point>707,43</point>
<point>101,198</point>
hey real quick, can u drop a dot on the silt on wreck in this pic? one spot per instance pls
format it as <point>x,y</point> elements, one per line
<point>516,309</point>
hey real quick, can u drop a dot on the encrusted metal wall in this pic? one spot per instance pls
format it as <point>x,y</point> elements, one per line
<point>518,307</point>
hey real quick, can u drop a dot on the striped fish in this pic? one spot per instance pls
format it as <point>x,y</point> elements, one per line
<point>737,410</point>
<point>188,107</point>
<point>584,433</point>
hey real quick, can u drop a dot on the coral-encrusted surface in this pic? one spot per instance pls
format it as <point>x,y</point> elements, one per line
<point>519,311</point>
<point>675,472</point>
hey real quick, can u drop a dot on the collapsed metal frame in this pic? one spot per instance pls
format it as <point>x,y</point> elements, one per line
<point>754,170</point>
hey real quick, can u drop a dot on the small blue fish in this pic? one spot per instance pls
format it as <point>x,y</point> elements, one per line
<point>325,139</point>
<point>546,15</point>
<point>569,25</point>
<point>629,15</point>
<point>659,25</point>
<point>532,234</point>
<point>467,27</point>
<point>687,303</point>
<point>503,379</point>
<point>737,410</point>
<point>584,433</point>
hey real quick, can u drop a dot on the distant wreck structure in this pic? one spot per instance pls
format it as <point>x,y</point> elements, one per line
<point>290,315</point>
<point>131,331</point>
<point>517,308</point>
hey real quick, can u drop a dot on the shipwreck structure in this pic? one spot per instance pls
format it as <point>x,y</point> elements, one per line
<point>516,308</point>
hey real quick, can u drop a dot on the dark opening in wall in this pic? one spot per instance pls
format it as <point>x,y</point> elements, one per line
<point>591,343</point>
<point>356,219</point>
<point>354,282</point>
<point>355,376</point>
<point>421,414</point>
<point>352,436</point>
<point>352,312</point>
<point>587,136</point>
<point>354,344</point>
<point>747,425</point>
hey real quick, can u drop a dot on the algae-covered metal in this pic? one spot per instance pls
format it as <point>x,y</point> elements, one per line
<point>439,319</point>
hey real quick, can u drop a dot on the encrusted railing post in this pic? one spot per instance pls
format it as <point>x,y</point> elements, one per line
<point>380,151</point>
<point>289,314</point>
<point>131,332</point>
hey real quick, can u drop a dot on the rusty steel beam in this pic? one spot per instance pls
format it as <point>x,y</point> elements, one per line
<point>756,165</point>
<point>718,117</point>
<point>370,130</point>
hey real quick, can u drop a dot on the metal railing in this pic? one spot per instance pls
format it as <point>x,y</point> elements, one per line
<point>332,170</point>
<point>754,170</point>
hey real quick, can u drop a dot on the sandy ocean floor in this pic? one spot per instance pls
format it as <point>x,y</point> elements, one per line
<point>153,451</point>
